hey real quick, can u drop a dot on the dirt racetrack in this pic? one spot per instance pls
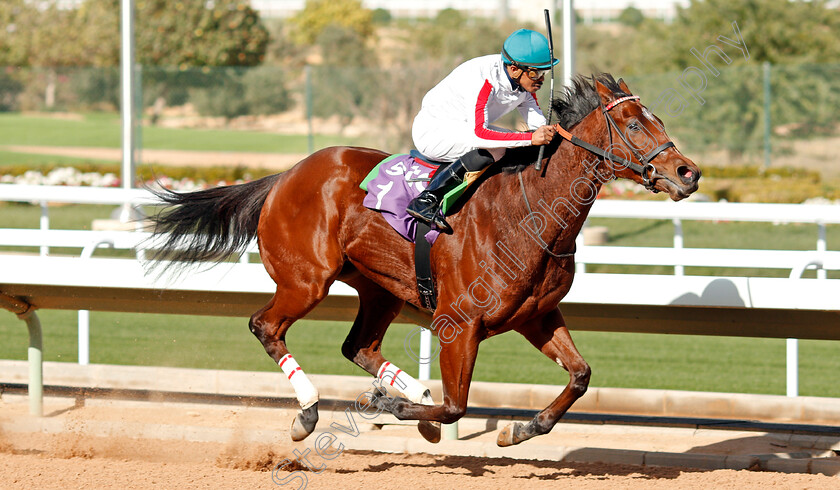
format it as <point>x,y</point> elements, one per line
<point>146,445</point>
<point>126,463</point>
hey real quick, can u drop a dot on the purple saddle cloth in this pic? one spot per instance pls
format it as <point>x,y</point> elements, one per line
<point>391,185</point>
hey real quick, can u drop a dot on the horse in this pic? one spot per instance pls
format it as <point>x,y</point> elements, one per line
<point>506,266</point>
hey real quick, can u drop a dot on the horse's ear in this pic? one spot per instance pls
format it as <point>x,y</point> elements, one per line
<point>605,93</point>
<point>624,86</point>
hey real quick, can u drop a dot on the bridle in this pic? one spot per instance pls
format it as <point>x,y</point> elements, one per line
<point>646,169</point>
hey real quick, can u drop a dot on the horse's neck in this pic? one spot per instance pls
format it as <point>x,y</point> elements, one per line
<point>573,178</point>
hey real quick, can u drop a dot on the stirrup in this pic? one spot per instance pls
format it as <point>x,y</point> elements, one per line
<point>441,223</point>
<point>432,219</point>
<point>430,207</point>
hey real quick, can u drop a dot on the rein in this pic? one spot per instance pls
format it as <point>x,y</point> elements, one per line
<point>528,205</point>
<point>646,170</point>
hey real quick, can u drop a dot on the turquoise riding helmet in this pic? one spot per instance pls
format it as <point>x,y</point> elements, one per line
<point>529,49</point>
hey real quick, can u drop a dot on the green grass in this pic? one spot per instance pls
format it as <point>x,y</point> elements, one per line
<point>36,160</point>
<point>104,130</point>
<point>698,363</point>
<point>65,217</point>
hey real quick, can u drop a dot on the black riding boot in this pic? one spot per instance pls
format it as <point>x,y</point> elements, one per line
<point>426,206</point>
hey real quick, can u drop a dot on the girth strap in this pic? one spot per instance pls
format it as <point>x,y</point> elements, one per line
<point>423,267</point>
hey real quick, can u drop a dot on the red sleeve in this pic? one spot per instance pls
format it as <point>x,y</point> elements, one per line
<point>481,128</point>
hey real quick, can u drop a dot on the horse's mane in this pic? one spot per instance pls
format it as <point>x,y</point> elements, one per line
<point>577,101</point>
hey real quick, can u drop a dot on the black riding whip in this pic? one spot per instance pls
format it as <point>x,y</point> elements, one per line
<point>538,166</point>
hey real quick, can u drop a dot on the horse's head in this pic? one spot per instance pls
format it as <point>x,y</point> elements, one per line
<point>638,136</point>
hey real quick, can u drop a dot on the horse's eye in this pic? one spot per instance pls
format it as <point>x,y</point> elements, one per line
<point>634,127</point>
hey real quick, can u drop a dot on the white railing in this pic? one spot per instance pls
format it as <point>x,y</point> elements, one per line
<point>678,256</point>
<point>820,215</point>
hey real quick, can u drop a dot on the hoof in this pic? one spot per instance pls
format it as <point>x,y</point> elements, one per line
<point>507,437</point>
<point>389,404</point>
<point>429,430</point>
<point>381,400</point>
<point>304,423</point>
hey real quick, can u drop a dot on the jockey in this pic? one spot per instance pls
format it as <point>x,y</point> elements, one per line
<point>454,122</point>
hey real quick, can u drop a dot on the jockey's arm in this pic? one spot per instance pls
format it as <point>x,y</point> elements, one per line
<point>488,136</point>
<point>531,113</point>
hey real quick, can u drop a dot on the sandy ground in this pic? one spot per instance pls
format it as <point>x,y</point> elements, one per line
<point>146,445</point>
<point>125,463</point>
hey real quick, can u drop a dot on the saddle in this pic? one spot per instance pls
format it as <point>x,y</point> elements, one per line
<point>390,186</point>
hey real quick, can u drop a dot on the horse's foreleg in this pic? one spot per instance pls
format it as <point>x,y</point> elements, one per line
<point>550,335</point>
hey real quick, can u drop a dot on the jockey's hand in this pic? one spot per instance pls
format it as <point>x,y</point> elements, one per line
<point>543,135</point>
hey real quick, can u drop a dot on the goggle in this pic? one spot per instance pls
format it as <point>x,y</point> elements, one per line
<point>533,73</point>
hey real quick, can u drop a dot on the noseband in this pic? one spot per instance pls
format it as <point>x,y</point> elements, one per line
<point>646,170</point>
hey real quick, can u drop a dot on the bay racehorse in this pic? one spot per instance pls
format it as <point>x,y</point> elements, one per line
<point>506,266</point>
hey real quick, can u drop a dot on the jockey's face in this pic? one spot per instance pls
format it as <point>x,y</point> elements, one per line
<point>524,78</point>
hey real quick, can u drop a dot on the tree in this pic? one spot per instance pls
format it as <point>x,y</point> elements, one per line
<point>15,34</point>
<point>381,16</point>
<point>342,82</point>
<point>237,91</point>
<point>631,16</point>
<point>199,33</point>
<point>174,34</point>
<point>318,14</point>
<point>184,33</point>
<point>781,32</point>
<point>776,31</point>
<point>9,90</point>
<point>451,38</point>
<point>41,35</point>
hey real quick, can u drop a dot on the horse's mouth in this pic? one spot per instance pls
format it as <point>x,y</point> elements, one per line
<point>675,191</point>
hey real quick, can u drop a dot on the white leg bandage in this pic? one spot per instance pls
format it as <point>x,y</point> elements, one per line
<point>391,375</point>
<point>306,392</point>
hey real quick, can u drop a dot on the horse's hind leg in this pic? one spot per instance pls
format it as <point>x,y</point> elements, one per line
<point>270,325</point>
<point>377,309</point>
<point>550,335</point>
<point>457,361</point>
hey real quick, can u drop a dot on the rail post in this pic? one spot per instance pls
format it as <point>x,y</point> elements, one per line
<point>26,312</point>
<point>45,225</point>
<point>679,270</point>
<point>84,315</point>
<point>792,345</point>
<point>35,354</point>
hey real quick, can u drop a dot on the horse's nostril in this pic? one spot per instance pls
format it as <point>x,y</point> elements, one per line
<point>686,174</point>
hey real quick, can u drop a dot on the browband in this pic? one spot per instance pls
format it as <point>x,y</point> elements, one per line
<point>619,101</point>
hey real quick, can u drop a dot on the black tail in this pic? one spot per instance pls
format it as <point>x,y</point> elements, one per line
<point>208,225</point>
